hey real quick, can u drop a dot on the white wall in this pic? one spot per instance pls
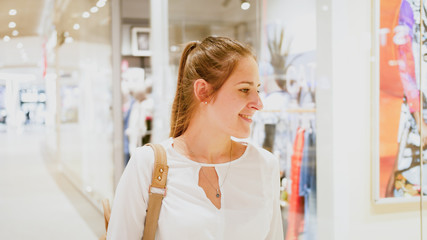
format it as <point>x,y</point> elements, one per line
<point>345,143</point>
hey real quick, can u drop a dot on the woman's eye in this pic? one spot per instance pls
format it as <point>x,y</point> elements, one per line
<point>244,90</point>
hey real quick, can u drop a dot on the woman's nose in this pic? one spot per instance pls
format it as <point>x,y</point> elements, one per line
<point>256,103</point>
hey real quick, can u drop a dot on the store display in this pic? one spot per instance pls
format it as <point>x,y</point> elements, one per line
<point>33,105</point>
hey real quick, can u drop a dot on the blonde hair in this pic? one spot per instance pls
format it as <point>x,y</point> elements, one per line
<point>213,60</point>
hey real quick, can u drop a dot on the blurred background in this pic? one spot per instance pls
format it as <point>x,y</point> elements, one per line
<point>85,82</point>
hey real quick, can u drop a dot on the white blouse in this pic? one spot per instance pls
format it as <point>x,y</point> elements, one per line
<point>250,206</point>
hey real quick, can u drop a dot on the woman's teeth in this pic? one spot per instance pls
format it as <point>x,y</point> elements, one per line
<point>246,116</point>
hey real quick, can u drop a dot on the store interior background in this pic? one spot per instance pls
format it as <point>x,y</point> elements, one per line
<point>63,76</point>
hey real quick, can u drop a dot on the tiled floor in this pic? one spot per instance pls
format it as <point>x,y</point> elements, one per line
<point>36,200</point>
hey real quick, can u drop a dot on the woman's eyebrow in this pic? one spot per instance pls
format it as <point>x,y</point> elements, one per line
<point>248,82</point>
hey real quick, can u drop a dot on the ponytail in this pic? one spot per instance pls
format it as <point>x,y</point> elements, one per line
<point>177,127</point>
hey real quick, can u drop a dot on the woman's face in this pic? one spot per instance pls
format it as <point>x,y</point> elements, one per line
<point>237,100</point>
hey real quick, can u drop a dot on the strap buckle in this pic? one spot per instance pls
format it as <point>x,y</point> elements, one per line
<point>157,190</point>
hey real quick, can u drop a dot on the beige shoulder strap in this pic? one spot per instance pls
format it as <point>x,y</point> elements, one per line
<point>107,214</point>
<point>158,181</point>
<point>160,174</point>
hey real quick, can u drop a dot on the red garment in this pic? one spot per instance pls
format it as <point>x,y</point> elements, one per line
<point>296,203</point>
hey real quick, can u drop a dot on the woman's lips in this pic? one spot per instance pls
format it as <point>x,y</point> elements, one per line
<point>245,117</point>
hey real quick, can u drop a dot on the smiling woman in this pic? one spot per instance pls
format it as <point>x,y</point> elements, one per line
<point>214,183</point>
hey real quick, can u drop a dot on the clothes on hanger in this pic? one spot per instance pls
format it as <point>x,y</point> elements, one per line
<point>296,202</point>
<point>308,188</point>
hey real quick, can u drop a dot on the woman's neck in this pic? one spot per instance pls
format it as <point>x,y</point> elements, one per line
<point>203,145</point>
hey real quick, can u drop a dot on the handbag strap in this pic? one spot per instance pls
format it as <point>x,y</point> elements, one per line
<point>158,181</point>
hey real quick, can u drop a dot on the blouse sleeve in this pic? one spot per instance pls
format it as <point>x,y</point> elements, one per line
<point>276,226</point>
<point>131,199</point>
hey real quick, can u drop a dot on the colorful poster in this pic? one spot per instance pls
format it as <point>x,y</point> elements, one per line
<point>400,115</point>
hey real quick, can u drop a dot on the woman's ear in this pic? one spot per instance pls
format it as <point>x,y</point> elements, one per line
<point>202,90</point>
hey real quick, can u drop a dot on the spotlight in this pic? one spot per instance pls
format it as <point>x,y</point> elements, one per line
<point>100,3</point>
<point>94,9</point>
<point>245,5</point>
<point>12,12</point>
<point>12,25</point>
<point>86,15</point>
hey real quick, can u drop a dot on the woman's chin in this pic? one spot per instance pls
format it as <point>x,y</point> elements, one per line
<point>242,135</point>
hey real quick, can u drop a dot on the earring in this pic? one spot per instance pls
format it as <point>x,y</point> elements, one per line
<point>206,102</point>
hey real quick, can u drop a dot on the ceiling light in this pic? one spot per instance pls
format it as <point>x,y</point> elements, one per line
<point>174,48</point>
<point>15,33</point>
<point>12,12</point>
<point>6,38</point>
<point>94,9</point>
<point>19,45</point>
<point>12,25</point>
<point>76,26</point>
<point>245,5</point>
<point>100,3</point>
<point>86,15</point>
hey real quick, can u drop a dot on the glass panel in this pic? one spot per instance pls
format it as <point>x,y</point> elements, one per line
<point>286,126</point>
<point>83,61</point>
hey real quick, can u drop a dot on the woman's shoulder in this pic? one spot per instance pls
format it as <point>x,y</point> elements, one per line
<point>261,159</point>
<point>142,158</point>
<point>258,153</point>
<point>146,153</point>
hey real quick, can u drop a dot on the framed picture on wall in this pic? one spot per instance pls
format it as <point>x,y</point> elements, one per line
<point>401,107</point>
<point>141,41</point>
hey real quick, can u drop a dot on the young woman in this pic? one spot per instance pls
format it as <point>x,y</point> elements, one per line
<point>217,188</point>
